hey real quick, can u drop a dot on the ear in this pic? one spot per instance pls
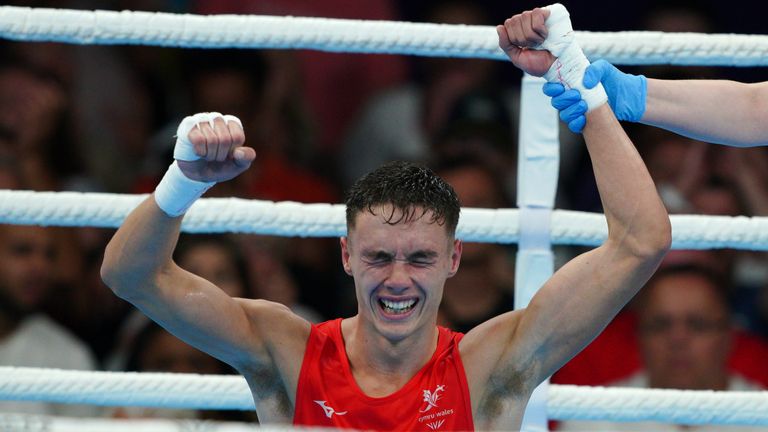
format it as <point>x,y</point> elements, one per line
<point>344,242</point>
<point>455,256</point>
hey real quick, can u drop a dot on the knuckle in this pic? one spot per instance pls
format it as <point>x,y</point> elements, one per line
<point>205,128</point>
<point>200,149</point>
<point>195,136</point>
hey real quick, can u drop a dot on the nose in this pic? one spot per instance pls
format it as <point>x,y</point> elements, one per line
<point>679,335</point>
<point>399,279</point>
<point>40,263</point>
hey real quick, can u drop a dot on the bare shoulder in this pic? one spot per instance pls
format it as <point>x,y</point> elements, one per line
<point>273,374</point>
<point>275,323</point>
<point>489,357</point>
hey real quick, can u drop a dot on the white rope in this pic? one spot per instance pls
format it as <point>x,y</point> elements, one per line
<point>358,36</point>
<point>211,215</point>
<point>190,391</point>
<point>161,390</point>
<point>567,402</point>
<point>39,423</point>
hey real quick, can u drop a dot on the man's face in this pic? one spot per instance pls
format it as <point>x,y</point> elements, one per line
<point>684,333</point>
<point>26,259</point>
<point>399,270</point>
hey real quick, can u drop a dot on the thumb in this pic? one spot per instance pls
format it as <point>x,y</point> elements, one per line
<point>595,73</point>
<point>510,49</point>
<point>243,156</point>
<point>504,42</point>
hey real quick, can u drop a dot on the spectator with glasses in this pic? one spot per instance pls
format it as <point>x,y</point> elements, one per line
<point>685,337</point>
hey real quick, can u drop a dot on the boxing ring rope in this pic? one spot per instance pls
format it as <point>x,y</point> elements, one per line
<point>218,215</point>
<point>566,402</point>
<point>40,423</point>
<point>360,36</point>
<point>535,226</point>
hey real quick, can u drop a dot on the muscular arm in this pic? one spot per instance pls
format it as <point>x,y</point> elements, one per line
<point>581,298</point>
<point>138,267</point>
<point>524,347</point>
<point>574,306</point>
<point>719,111</point>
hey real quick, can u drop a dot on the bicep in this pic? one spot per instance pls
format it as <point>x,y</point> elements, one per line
<point>574,306</point>
<point>201,314</point>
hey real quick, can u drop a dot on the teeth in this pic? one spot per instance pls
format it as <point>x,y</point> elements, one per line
<point>398,306</point>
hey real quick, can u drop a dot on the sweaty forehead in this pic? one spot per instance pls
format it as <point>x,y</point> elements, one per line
<point>373,231</point>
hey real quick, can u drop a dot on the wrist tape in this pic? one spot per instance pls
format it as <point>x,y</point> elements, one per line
<point>176,192</point>
<point>571,63</point>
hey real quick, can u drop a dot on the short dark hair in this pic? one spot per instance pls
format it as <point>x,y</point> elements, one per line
<point>717,281</point>
<point>407,187</point>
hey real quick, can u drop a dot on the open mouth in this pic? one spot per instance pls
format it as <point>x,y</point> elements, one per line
<point>399,307</point>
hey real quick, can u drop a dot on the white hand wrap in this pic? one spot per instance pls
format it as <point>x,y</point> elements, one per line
<point>176,193</point>
<point>184,149</point>
<point>568,69</point>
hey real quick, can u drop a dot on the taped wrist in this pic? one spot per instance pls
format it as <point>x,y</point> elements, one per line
<point>176,192</point>
<point>571,63</point>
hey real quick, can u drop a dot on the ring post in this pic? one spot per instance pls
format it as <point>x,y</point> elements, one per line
<point>538,164</point>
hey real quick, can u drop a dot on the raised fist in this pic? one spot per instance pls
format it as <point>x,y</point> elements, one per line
<point>210,147</point>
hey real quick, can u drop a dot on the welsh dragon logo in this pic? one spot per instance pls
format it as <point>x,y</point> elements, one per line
<point>431,398</point>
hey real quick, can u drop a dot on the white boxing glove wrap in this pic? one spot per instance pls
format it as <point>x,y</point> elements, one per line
<point>184,150</point>
<point>176,192</point>
<point>571,63</point>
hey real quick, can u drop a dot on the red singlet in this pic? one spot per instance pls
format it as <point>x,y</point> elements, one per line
<point>435,399</point>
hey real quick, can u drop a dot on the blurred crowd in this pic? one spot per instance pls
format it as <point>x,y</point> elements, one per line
<point>102,119</point>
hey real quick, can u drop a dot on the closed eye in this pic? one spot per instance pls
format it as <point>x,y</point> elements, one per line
<point>419,259</point>
<point>378,258</point>
<point>422,259</point>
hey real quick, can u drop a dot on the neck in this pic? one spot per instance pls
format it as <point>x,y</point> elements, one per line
<point>382,366</point>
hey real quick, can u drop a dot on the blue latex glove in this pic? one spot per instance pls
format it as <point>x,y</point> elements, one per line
<point>626,92</point>
<point>569,103</point>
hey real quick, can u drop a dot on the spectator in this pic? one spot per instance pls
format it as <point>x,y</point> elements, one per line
<point>156,350</point>
<point>346,80</point>
<point>685,339</point>
<point>28,337</point>
<point>35,123</point>
<point>479,126</point>
<point>420,111</point>
<point>484,286</point>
